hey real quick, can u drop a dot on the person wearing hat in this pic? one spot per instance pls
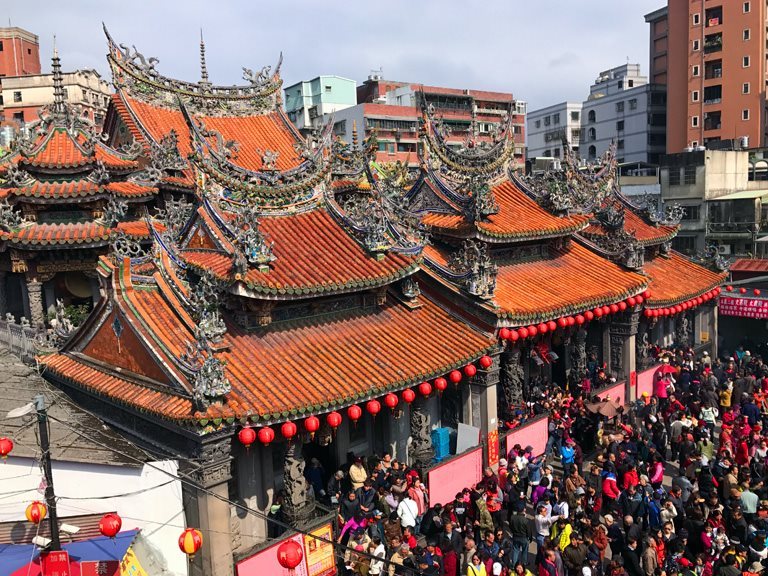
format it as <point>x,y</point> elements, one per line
<point>357,473</point>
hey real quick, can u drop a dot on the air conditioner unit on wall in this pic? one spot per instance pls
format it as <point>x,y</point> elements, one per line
<point>724,249</point>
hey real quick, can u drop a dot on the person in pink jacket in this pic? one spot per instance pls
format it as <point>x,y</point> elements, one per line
<point>657,473</point>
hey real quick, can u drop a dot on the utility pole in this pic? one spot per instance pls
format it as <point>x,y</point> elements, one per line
<point>45,446</point>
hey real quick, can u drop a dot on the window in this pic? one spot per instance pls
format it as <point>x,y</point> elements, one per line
<point>691,212</point>
<point>684,244</point>
<point>633,104</point>
<point>745,62</point>
<point>746,7</point>
<point>557,152</point>
<point>696,45</point>
<point>66,94</point>
<point>630,83</point>
<point>619,106</point>
<point>620,84</point>
<point>620,126</point>
<point>575,116</point>
<point>547,120</point>
<point>328,88</point>
<point>592,134</point>
<point>745,88</point>
<point>556,118</point>
<point>695,121</point>
<point>592,152</point>
<point>695,96</point>
<point>29,51</point>
<point>696,19</point>
<point>620,144</point>
<point>538,123</point>
<point>695,144</point>
<point>547,153</point>
<point>1,45</point>
<point>17,96</point>
<point>746,34</point>
<point>696,70</point>
<point>689,175</point>
<point>745,114</point>
<point>591,116</point>
<point>674,176</point>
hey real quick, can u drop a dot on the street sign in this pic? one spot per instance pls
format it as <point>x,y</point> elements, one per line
<point>56,563</point>
<point>100,568</point>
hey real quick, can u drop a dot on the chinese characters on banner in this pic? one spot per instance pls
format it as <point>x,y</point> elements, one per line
<point>56,563</point>
<point>493,447</point>
<point>743,307</point>
<point>318,554</point>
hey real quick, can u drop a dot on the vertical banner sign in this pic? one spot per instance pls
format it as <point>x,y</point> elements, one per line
<point>493,447</point>
<point>633,382</point>
<point>56,563</point>
<point>318,554</point>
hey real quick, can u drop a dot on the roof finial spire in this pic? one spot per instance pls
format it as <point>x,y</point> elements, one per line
<point>354,134</point>
<point>58,82</point>
<point>203,67</point>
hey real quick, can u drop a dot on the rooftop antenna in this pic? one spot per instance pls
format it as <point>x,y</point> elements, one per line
<point>203,67</point>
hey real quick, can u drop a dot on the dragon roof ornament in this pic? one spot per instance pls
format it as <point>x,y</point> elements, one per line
<point>712,259</point>
<point>473,156</point>
<point>573,189</point>
<point>616,244</point>
<point>137,74</point>
<point>651,209</point>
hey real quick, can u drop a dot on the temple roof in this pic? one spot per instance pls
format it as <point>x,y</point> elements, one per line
<point>675,279</point>
<point>635,224</point>
<point>42,236</point>
<point>82,188</point>
<point>274,372</point>
<point>518,218</point>
<point>312,254</point>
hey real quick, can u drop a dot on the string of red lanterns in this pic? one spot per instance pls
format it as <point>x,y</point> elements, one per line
<point>683,306</point>
<point>266,434</point>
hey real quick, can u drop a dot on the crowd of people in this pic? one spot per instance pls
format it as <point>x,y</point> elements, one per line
<point>675,484</point>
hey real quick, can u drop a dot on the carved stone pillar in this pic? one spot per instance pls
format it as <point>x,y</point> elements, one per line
<point>512,378</point>
<point>683,329</point>
<point>35,298</point>
<point>298,505</point>
<point>421,451</point>
<point>642,345</point>
<point>578,357</point>
<point>210,511</point>
<point>484,393</point>
<point>3,297</point>
<point>622,343</point>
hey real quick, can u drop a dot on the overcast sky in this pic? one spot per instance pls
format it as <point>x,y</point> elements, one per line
<point>543,51</point>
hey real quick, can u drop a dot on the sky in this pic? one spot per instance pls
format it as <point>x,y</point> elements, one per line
<point>543,51</point>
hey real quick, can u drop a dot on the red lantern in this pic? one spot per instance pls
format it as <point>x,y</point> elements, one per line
<point>631,301</point>
<point>699,301</point>
<point>729,288</point>
<point>266,435</point>
<point>289,555</point>
<point>647,313</point>
<point>756,291</point>
<point>646,294</point>
<point>655,313</point>
<point>532,331</point>
<point>441,384</point>
<point>470,370</point>
<point>579,319</point>
<point>288,430</point>
<point>190,541</point>
<point>613,308</point>
<point>6,446</point>
<point>678,308</point>
<point>718,290</point>
<point>639,299</point>
<point>514,336</point>
<point>570,321</point>
<point>552,325</point>
<point>589,315</point>
<point>36,512</point>
<point>312,425</point>
<point>110,525</point>
<point>542,328</point>
<point>391,401</point>
<point>425,389</point>
<point>562,322</point>
<point>622,306</point>
<point>373,407</point>
<point>408,395</point>
<point>485,362</point>
<point>455,376</point>
<point>246,436</point>
<point>354,413</point>
<point>504,333</point>
<point>334,420</point>
<point>598,312</point>
<point>742,290</point>
<point>523,332</point>
<point>606,310</point>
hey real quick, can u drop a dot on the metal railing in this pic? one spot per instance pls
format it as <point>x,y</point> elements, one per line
<point>735,227</point>
<point>22,340</point>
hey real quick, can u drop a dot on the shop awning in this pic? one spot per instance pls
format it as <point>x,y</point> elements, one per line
<point>743,195</point>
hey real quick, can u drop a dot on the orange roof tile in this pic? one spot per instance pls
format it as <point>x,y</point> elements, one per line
<point>750,265</point>
<point>130,189</point>
<point>331,262</point>
<point>274,373</point>
<point>113,160</point>
<point>58,151</point>
<point>519,218</point>
<point>572,280</point>
<point>252,133</point>
<point>43,235</point>
<point>675,279</point>
<point>138,228</point>
<point>71,189</point>
<point>645,233</point>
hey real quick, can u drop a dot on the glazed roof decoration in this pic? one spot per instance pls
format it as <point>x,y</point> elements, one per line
<point>138,75</point>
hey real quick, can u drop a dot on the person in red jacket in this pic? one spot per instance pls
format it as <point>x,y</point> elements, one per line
<point>610,491</point>
<point>631,478</point>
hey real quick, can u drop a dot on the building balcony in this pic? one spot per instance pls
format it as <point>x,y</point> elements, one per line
<point>734,230</point>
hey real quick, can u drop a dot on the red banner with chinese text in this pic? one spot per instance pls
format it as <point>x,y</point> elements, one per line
<point>493,447</point>
<point>743,307</point>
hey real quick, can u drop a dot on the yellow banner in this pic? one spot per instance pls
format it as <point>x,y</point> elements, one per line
<point>130,565</point>
<point>319,554</point>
